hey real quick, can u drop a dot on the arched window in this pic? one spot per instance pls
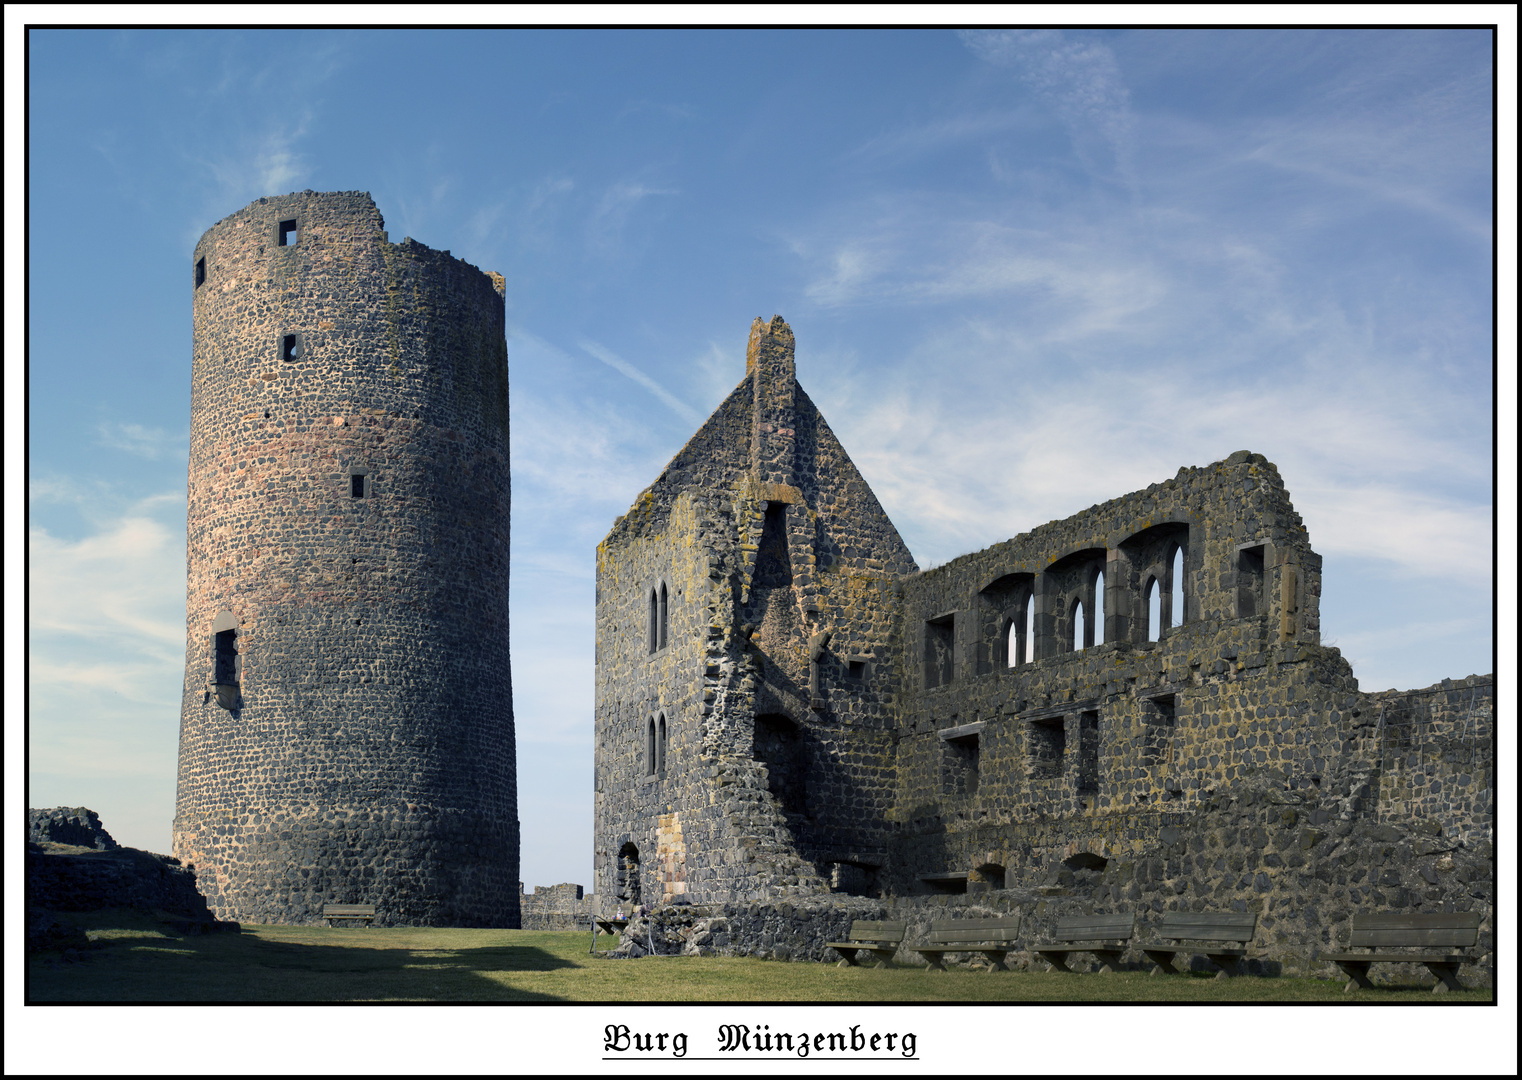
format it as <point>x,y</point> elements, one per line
<point>1014,647</point>
<point>1099,609</point>
<point>651,624</point>
<point>663,618</point>
<point>660,745</point>
<point>1078,627</point>
<point>1154,608</point>
<point>1176,617</point>
<point>650,747</point>
<point>1030,631</point>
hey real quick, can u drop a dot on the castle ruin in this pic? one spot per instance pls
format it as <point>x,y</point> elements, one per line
<point>346,732</point>
<point>1127,708</point>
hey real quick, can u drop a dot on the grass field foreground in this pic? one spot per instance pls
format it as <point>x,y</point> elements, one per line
<point>142,961</point>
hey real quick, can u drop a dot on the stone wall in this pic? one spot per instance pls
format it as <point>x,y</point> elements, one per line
<point>556,907</point>
<point>346,730</point>
<point>979,735</point>
<point>75,825</point>
<point>775,680</point>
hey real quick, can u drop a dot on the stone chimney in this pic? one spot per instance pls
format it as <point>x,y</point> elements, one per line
<point>769,363</point>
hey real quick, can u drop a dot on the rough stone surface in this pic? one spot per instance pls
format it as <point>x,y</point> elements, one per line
<point>789,712</point>
<point>346,731</point>
<point>68,825</point>
<point>69,876</point>
<point>556,907</point>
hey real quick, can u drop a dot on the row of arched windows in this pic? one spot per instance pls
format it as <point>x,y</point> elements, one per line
<point>658,621</point>
<point>1150,598</point>
<point>655,745</point>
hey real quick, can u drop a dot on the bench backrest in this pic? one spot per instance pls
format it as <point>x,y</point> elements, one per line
<point>353,911</point>
<point>1094,927</point>
<point>1456,929</point>
<point>967,931</point>
<point>886,932</point>
<point>1206,925</point>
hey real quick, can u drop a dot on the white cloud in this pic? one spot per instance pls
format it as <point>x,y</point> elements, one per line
<point>152,443</point>
<point>1080,79</point>
<point>623,367</point>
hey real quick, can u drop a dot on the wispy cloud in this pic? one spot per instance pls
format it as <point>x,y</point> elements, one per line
<point>623,367</point>
<point>1080,79</point>
<point>608,219</point>
<point>146,442</point>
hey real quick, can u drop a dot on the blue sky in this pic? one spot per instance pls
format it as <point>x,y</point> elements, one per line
<point>1028,271</point>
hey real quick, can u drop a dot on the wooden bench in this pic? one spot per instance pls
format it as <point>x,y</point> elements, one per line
<point>349,911</point>
<point>881,939</point>
<point>991,937</point>
<point>1456,930</point>
<point>1221,935</point>
<point>1102,935</point>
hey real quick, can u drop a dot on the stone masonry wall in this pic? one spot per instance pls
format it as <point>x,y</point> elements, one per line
<point>348,532</point>
<point>785,566</point>
<point>556,907</point>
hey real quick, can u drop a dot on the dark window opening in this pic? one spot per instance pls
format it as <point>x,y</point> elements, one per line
<point>650,747</point>
<point>774,565</point>
<point>1047,743</point>
<point>1250,582</point>
<point>855,879</point>
<point>951,884</point>
<point>1159,717</point>
<point>289,236</point>
<point>660,745</point>
<point>663,619</point>
<point>778,744</point>
<point>1088,752</point>
<point>959,766</point>
<point>200,272</point>
<point>226,671</point>
<point>856,670</point>
<point>626,885</point>
<point>290,347</point>
<point>940,637</point>
<point>357,486</point>
<point>650,622</point>
<point>1086,860</point>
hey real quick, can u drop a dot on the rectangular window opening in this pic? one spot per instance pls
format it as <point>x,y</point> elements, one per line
<point>1045,748</point>
<point>357,486</point>
<point>290,236</point>
<point>940,638</point>
<point>856,670</point>
<point>1250,582</point>
<point>290,348</point>
<point>200,271</point>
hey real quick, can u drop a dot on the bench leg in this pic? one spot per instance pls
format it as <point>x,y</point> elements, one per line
<point>1447,977</point>
<point>850,958</point>
<point>884,957</point>
<point>1058,960</point>
<point>996,958</point>
<point>1357,973</point>
<point>1229,965</point>
<point>937,960</point>
<point>1109,960</point>
<point>1163,958</point>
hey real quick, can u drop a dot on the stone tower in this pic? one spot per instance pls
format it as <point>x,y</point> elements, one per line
<point>346,734</point>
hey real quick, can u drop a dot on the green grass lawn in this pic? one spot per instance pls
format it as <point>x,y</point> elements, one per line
<point>143,961</point>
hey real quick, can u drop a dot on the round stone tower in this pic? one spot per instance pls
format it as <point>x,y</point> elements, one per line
<point>347,728</point>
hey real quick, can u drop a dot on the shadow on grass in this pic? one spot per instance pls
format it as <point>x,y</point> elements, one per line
<point>152,964</point>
